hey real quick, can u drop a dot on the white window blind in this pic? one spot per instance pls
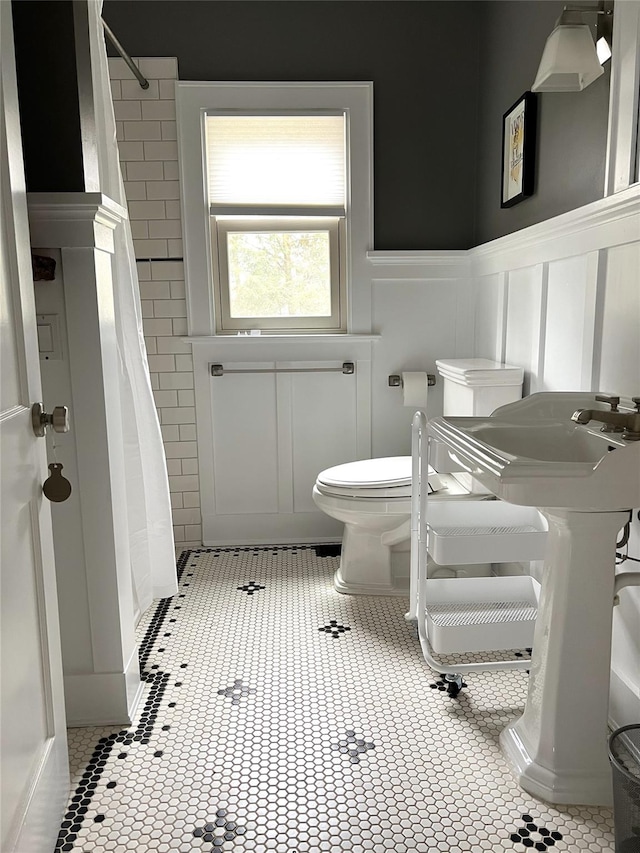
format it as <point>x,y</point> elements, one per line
<point>276,161</point>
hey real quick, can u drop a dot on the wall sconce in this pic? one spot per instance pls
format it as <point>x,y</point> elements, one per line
<point>571,60</point>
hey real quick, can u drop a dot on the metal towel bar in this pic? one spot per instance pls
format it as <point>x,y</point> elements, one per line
<point>348,368</point>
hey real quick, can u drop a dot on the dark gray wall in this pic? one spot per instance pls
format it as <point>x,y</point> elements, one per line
<point>48,95</point>
<point>421,56</point>
<point>572,128</point>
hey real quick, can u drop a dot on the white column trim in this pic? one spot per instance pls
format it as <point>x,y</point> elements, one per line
<point>74,220</point>
<point>622,163</point>
<point>82,226</point>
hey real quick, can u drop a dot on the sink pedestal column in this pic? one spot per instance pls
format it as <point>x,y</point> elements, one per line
<point>558,747</point>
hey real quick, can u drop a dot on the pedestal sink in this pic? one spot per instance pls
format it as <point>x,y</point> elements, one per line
<point>585,482</point>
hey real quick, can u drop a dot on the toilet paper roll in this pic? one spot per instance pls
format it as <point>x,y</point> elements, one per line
<point>414,389</point>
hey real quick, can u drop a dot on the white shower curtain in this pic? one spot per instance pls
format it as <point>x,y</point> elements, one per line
<point>152,549</point>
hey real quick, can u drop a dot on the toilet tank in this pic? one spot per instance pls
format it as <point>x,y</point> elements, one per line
<point>475,387</point>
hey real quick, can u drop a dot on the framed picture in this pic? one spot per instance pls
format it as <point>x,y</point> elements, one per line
<point>518,150</point>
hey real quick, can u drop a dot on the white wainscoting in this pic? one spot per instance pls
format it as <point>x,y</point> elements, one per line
<point>562,300</point>
<point>572,319</point>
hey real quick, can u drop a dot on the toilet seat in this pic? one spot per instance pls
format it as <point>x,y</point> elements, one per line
<point>386,478</point>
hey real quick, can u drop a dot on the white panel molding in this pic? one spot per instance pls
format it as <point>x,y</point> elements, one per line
<point>503,308</point>
<point>363,408</point>
<point>284,439</point>
<point>465,331</point>
<point>537,379</point>
<point>595,262</point>
<point>525,321</point>
<point>598,318</point>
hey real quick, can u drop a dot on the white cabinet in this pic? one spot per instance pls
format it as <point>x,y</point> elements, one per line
<point>267,428</point>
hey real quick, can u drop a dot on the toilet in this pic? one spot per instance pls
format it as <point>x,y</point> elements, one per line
<point>372,497</point>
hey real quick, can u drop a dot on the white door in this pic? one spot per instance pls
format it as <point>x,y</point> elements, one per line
<point>34,772</point>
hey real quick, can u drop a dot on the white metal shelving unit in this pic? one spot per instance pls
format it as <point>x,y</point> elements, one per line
<point>470,615</point>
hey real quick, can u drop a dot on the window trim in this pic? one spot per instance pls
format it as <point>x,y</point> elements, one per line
<point>227,325</point>
<point>193,101</point>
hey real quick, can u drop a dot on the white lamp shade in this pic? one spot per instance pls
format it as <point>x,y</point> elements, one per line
<point>569,61</point>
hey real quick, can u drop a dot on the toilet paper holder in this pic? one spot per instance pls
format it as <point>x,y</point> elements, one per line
<point>395,380</point>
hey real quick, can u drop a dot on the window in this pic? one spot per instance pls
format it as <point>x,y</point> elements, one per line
<point>277,205</point>
<point>312,205</point>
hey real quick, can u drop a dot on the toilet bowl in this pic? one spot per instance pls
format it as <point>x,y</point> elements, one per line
<point>372,498</point>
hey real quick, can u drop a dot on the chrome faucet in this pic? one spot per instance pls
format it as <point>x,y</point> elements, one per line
<point>626,423</point>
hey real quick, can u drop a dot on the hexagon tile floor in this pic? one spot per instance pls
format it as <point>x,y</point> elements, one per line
<point>282,716</point>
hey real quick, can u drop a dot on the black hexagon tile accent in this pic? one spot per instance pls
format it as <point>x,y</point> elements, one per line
<point>219,830</point>
<point>533,836</point>
<point>251,587</point>
<point>236,691</point>
<point>104,748</point>
<point>353,746</point>
<point>334,629</point>
<point>323,551</point>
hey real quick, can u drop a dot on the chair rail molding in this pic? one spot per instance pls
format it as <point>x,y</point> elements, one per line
<point>607,222</point>
<point>416,265</point>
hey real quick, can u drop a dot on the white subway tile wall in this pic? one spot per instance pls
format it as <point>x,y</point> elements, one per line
<point>146,131</point>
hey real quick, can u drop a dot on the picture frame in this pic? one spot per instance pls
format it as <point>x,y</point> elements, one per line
<point>518,150</point>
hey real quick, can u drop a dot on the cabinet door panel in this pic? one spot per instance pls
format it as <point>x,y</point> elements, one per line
<point>323,419</point>
<point>245,460</point>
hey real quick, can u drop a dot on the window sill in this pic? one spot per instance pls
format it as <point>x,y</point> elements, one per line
<point>244,340</point>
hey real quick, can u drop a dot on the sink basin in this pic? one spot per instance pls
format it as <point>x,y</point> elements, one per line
<point>531,453</point>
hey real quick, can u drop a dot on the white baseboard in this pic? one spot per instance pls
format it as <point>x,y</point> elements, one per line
<point>269,528</point>
<point>103,698</point>
<point>44,805</point>
<point>624,701</point>
<point>282,540</point>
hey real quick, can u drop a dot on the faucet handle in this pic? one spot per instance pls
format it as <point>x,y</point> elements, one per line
<point>612,401</point>
<point>636,403</point>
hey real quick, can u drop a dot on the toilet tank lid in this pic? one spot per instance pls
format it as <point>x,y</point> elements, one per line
<point>479,371</point>
<point>368,473</point>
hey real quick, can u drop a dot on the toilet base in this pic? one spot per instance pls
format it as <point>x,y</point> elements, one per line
<point>366,565</point>
<point>360,588</point>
